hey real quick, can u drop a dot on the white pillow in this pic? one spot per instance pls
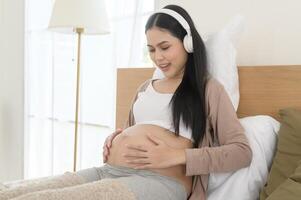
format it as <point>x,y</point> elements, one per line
<point>221,55</point>
<point>246,183</point>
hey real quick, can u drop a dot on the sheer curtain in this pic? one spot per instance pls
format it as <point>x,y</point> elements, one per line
<point>50,76</point>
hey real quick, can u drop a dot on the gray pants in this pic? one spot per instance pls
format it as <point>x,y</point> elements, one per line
<point>145,184</point>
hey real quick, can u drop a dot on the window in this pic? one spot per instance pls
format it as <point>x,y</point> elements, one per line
<point>51,80</point>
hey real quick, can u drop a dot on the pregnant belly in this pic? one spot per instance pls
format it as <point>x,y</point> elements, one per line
<point>138,135</point>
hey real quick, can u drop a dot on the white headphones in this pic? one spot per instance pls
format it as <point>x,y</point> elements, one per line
<point>187,41</point>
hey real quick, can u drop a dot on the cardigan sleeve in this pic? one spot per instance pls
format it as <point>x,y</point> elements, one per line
<point>233,151</point>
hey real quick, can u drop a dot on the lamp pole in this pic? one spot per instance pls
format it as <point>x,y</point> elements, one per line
<point>79,32</point>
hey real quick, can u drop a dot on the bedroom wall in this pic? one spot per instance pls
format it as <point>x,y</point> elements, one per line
<point>273,30</point>
<point>11,89</point>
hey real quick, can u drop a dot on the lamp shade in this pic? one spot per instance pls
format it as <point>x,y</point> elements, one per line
<point>90,15</point>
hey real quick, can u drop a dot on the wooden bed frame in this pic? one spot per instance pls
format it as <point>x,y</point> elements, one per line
<point>263,89</point>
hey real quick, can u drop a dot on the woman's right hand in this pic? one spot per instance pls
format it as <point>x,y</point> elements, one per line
<point>108,143</point>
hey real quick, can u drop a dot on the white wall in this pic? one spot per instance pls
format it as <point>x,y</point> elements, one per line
<point>11,89</point>
<point>273,28</point>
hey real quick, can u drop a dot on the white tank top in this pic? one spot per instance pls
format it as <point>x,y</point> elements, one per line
<point>152,107</point>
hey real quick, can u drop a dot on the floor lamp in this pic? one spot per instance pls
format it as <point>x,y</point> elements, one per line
<point>79,17</point>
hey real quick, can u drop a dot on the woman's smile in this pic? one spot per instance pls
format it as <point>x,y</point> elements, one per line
<point>165,67</point>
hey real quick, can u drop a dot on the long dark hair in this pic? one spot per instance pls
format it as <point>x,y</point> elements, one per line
<point>188,101</point>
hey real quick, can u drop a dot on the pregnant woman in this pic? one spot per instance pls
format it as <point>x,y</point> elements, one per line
<point>180,129</point>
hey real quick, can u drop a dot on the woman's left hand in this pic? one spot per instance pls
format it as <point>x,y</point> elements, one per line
<point>160,155</point>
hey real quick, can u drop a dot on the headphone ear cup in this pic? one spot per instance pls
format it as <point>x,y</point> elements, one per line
<point>188,45</point>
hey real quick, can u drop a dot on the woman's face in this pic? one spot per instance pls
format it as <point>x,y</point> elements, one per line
<point>167,52</point>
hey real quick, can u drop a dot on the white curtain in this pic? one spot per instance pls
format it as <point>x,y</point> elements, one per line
<point>50,78</point>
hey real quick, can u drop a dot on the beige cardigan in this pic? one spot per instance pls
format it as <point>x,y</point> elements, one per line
<point>224,148</point>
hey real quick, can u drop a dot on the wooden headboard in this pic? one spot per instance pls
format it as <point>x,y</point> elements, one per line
<point>263,89</point>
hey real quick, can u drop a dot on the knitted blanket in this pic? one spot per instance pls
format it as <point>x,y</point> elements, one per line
<point>17,188</point>
<point>106,189</point>
<point>65,187</point>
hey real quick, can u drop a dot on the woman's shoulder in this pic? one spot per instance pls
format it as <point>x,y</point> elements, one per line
<point>144,85</point>
<point>213,86</point>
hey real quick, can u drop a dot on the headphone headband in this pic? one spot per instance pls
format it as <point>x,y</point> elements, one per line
<point>178,17</point>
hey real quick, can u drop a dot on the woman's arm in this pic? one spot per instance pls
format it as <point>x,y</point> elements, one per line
<point>234,151</point>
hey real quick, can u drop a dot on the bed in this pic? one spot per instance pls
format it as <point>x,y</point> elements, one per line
<point>264,90</point>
